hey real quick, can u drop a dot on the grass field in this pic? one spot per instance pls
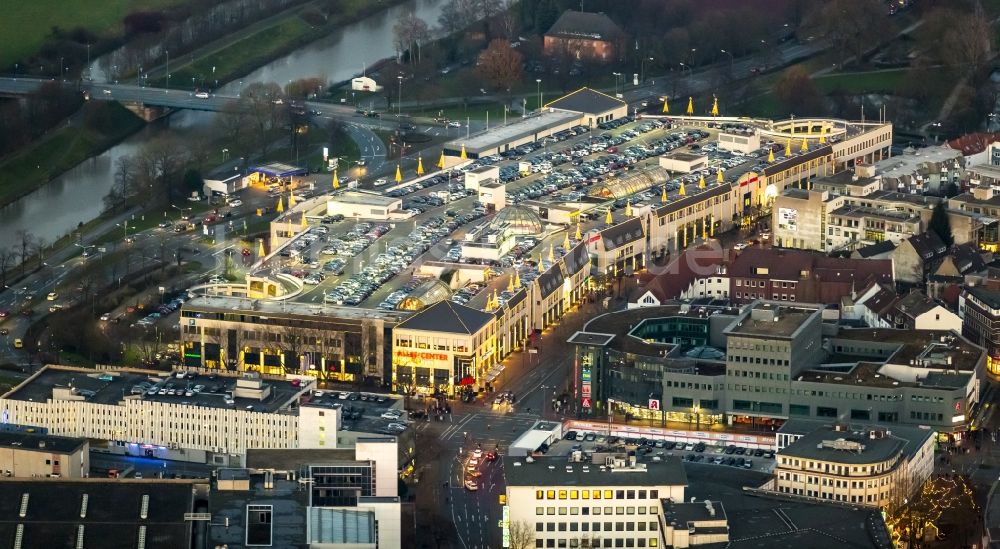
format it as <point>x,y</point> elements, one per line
<point>26,24</point>
<point>241,56</point>
<point>886,81</point>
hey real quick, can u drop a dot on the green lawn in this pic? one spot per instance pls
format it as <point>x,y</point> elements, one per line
<point>57,152</point>
<point>241,56</point>
<point>27,23</point>
<point>866,82</point>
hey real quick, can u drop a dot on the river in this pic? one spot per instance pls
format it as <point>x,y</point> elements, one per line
<point>75,197</point>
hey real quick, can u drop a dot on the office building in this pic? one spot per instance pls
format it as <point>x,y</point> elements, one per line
<point>29,455</point>
<point>207,418</point>
<point>341,499</point>
<point>443,347</point>
<point>979,307</point>
<point>613,502</point>
<point>857,463</point>
<point>322,341</point>
<point>770,362</point>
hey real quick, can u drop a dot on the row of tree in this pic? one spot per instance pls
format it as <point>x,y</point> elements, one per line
<point>25,120</point>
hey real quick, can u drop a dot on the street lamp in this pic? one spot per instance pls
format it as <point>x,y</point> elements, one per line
<point>642,69</point>
<point>538,90</point>
<point>731,59</point>
<point>168,68</point>
<point>399,97</point>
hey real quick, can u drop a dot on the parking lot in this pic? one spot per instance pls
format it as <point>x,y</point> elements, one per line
<point>588,443</point>
<point>346,262</point>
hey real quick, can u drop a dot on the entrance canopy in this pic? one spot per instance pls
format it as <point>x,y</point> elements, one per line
<point>277,169</point>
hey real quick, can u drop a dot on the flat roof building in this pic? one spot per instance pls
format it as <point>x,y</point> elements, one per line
<point>274,337</point>
<point>31,455</point>
<point>99,513</point>
<point>365,205</point>
<point>867,464</point>
<point>515,133</point>
<point>555,498</point>
<point>780,361</point>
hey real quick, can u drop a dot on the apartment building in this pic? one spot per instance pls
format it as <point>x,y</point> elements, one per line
<point>613,502</point>
<point>773,361</point>
<point>863,464</point>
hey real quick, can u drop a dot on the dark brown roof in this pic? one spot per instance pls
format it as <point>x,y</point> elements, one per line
<point>876,249</point>
<point>550,280</point>
<point>587,101</point>
<point>580,24</point>
<point>790,264</point>
<point>694,198</point>
<point>667,282</point>
<point>622,233</point>
<point>928,245</point>
<point>974,142</point>
<point>449,317</point>
<point>967,258</point>
<point>779,167</point>
<point>576,259</point>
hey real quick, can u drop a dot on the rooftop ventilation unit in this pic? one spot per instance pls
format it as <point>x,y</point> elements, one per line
<point>24,505</point>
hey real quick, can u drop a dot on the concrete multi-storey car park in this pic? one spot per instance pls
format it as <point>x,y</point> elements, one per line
<point>206,417</point>
<point>773,361</point>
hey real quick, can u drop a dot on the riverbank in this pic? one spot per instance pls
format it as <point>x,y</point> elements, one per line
<point>227,61</point>
<point>62,149</point>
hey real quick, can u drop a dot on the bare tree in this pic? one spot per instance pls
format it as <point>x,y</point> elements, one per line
<point>235,122</point>
<point>958,39</point>
<point>303,88</point>
<point>509,23</point>
<point>798,93</point>
<point>25,240</point>
<point>123,187</point>
<point>409,33</point>
<point>264,103</point>
<point>852,26</point>
<point>38,250</point>
<point>500,64</point>
<point>456,15</point>
<point>8,260</point>
<point>522,535</point>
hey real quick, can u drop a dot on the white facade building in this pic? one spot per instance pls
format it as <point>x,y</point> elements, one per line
<point>216,424</point>
<point>613,501</point>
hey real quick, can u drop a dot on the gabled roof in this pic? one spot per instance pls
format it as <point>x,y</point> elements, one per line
<point>967,258</point>
<point>550,280</point>
<point>580,24</point>
<point>915,304</point>
<point>622,233</point>
<point>881,301</point>
<point>883,247</point>
<point>588,101</point>
<point>678,275</point>
<point>447,316</point>
<point>576,259</point>
<point>928,245</point>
